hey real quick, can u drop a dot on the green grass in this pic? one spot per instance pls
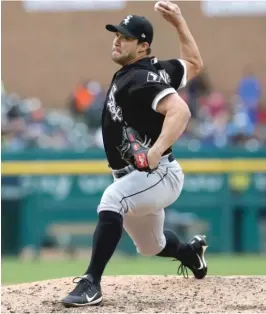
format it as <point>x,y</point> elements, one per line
<point>15,271</point>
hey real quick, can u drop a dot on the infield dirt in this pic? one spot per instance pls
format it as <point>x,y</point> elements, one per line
<point>144,294</point>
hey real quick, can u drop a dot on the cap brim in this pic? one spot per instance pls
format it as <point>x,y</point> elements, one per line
<point>120,29</point>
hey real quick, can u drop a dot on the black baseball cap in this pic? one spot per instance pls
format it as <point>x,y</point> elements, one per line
<point>134,26</point>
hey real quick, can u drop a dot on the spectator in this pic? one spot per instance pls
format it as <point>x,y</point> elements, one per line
<point>240,127</point>
<point>93,114</point>
<point>87,101</point>
<point>261,125</point>
<point>196,88</point>
<point>250,92</point>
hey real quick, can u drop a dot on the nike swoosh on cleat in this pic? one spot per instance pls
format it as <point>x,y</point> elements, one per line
<point>201,263</point>
<point>90,299</point>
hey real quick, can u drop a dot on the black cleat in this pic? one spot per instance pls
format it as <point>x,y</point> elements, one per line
<point>196,261</point>
<point>85,293</point>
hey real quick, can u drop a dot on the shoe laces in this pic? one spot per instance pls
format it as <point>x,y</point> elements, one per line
<point>182,270</point>
<point>83,284</point>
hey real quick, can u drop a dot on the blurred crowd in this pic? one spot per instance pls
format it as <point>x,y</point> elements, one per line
<point>217,121</point>
<point>26,124</point>
<point>238,120</point>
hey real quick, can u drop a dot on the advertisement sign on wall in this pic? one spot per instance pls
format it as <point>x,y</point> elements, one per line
<point>233,8</point>
<point>72,5</point>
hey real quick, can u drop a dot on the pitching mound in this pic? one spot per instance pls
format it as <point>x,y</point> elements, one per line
<point>147,294</point>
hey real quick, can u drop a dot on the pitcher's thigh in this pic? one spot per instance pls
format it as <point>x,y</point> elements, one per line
<point>154,192</point>
<point>142,193</point>
<point>146,232</point>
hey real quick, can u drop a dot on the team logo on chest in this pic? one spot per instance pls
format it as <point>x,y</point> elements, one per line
<point>116,111</point>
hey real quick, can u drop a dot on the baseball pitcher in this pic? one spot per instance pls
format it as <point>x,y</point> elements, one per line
<point>142,117</point>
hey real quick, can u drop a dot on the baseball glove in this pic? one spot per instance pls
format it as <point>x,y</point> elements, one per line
<point>134,149</point>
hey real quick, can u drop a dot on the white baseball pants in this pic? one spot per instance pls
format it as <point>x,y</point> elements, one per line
<point>141,198</point>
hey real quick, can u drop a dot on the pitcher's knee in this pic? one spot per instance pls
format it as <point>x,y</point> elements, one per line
<point>112,200</point>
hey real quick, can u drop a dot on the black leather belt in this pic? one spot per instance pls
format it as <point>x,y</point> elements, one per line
<point>171,157</point>
<point>122,172</point>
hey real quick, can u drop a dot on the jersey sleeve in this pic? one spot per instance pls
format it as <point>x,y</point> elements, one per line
<point>177,71</point>
<point>148,88</point>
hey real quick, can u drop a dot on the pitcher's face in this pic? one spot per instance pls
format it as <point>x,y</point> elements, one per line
<point>125,49</point>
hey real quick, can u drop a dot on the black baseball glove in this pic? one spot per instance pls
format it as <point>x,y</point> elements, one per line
<point>134,149</point>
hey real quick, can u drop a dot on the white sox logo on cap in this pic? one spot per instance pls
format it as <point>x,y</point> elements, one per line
<point>127,19</point>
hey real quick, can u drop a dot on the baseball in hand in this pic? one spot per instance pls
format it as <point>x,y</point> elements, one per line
<point>170,11</point>
<point>157,4</point>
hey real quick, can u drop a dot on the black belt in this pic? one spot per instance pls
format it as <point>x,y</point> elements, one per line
<point>171,158</point>
<point>122,172</point>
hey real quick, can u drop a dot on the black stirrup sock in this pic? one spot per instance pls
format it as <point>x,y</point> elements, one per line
<point>105,239</point>
<point>174,248</point>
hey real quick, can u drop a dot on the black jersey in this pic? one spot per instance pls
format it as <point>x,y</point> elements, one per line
<point>134,93</point>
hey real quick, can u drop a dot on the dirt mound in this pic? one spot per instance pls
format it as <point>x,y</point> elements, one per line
<point>147,294</point>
